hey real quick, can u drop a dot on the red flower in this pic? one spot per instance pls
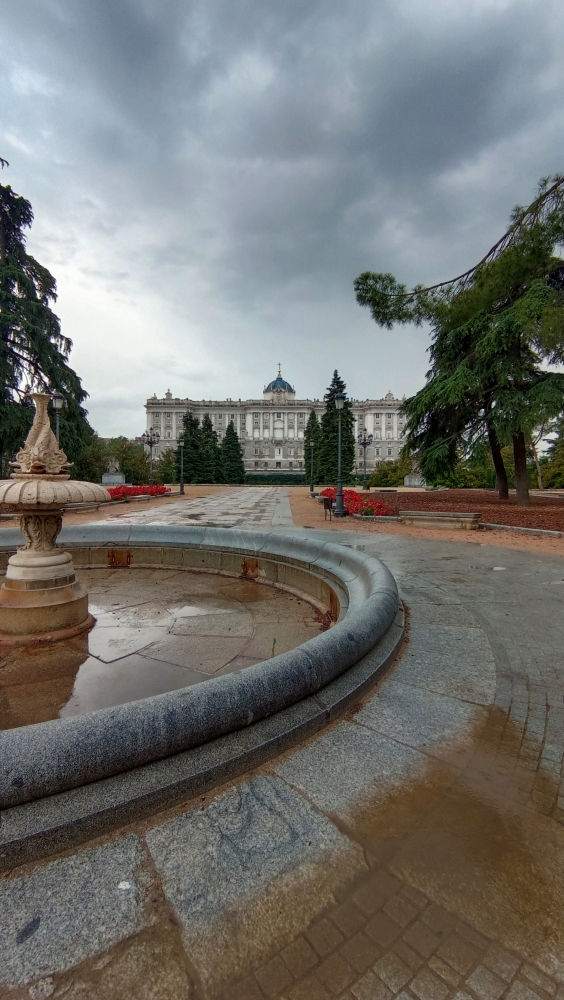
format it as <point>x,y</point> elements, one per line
<point>358,503</point>
<point>123,492</point>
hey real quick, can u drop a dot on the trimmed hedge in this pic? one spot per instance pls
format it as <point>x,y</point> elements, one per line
<point>271,479</point>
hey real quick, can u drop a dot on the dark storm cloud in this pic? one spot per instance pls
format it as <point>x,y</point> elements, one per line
<point>245,161</point>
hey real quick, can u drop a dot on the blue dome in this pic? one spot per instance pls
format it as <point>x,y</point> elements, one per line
<point>279,383</point>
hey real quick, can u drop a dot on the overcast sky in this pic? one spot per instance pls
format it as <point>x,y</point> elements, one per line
<point>208,177</point>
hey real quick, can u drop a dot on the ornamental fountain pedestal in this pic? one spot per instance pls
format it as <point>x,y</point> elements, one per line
<point>40,598</point>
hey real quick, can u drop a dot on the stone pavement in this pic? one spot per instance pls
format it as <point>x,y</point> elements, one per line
<point>415,849</point>
<point>248,507</point>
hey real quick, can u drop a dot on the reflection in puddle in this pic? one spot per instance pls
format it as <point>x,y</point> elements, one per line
<point>101,685</point>
<point>153,633</point>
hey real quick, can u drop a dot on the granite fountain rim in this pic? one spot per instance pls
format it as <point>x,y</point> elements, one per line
<point>47,761</point>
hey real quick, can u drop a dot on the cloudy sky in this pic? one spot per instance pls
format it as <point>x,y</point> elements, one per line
<point>208,176</point>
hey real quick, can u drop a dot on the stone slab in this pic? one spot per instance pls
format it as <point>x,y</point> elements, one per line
<point>69,910</point>
<point>262,864</point>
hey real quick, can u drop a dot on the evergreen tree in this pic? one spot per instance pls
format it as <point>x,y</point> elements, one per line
<point>33,351</point>
<point>312,434</point>
<point>232,457</point>
<point>328,445</point>
<point>211,455</point>
<point>167,468</point>
<point>496,328</point>
<point>133,460</point>
<point>92,462</point>
<point>193,447</point>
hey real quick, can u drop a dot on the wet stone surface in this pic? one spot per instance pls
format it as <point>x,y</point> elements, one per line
<point>155,631</point>
<point>413,850</point>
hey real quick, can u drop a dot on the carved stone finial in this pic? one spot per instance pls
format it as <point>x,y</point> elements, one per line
<point>40,454</point>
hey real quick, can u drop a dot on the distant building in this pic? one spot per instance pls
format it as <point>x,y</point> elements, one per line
<point>271,429</point>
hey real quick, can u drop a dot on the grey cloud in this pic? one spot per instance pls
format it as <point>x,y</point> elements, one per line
<point>233,167</point>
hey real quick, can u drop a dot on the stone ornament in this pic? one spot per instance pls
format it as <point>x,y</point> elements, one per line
<point>40,598</point>
<point>41,454</point>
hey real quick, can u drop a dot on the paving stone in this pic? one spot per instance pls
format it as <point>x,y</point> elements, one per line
<point>248,989</point>
<point>360,951</point>
<point>393,971</point>
<point>274,977</point>
<point>459,954</point>
<point>382,929</point>
<point>427,986</point>
<point>438,919</point>
<point>539,979</point>
<point>69,910</point>
<point>472,935</point>
<point>414,896</point>
<point>335,973</point>
<point>324,937</point>
<point>310,989</point>
<point>445,971</point>
<point>518,991</point>
<point>368,899</point>
<point>408,954</point>
<point>501,962</point>
<point>400,911</point>
<point>370,988</point>
<point>485,983</point>
<point>348,917</point>
<point>299,957</point>
<point>346,764</point>
<point>257,835</point>
<point>422,938</point>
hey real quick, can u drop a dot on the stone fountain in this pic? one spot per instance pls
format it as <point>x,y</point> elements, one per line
<point>40,598</point>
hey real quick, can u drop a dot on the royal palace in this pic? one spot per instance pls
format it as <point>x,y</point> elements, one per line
<point>271,428</point>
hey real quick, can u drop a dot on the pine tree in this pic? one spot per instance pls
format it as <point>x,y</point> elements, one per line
<point>211,455</point>
<point>312,434</point>
<point>33,351</point>
<point>167,469</point>
<point>232,457</point>
<point>496,328</point>
<point>327,467</point>
<point>193,447</point>
<point>133,460</point>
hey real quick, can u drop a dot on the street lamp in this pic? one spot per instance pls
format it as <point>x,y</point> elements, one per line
<point>311,484</point>
<point>57,401</point>
<point>150,439</point>
<point>181,446</point>
<point>364,441</point>
<point>339,501</point>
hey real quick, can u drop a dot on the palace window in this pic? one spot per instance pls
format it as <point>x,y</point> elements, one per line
<point>279,465</point>
<point>256,465</point>
<point>376,416</point>
<point>256,415</point>
<point>232,416</point>
<point>278,416</point>
<point>256,451</point>
<point>377,452</point>
<point>290,465</point>
<point>389,435</point>
<point>389,451</point>
<point>300,416</point>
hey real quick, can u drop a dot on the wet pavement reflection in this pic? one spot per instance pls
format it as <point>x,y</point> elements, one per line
<point>155,631</point>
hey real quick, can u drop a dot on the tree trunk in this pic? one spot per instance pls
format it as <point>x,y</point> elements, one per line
<point>521,477</point>
<point>538,465</point>
<point>500,473</point>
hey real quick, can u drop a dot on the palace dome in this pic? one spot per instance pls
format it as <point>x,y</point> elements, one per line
<point>279,384</point>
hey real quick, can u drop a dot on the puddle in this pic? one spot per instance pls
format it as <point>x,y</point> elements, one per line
<point>154,633</point>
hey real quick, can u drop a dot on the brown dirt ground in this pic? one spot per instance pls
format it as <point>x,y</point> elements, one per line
<point>307,513</point>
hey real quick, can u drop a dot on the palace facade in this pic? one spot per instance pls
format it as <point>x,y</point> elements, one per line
<point>271,428</point>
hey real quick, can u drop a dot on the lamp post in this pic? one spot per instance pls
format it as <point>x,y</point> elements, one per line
<point>57,401</point>
<point>150,439</point>
<point>339,501</point>
<point>311,483</point>
<point>181,446</point>
<point>364,441</point>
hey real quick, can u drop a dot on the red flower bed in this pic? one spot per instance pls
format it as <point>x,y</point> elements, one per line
<point>124,492</point>
<point>358,503</point>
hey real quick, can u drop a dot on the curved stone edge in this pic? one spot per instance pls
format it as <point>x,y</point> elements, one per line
<point>51,757</point>
<point>37,829</point>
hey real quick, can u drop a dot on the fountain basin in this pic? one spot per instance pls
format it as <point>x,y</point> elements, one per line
<point>88,772</point>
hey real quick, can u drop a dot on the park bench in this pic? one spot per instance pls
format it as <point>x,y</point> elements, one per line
<point>441,519</point>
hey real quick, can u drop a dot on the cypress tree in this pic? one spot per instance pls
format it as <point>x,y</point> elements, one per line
<point>327,467</point>
<point>33,351</point>
<point>232,457</point>
<point>211,455</point>
<point>312,434</point>
<point>193,448</point>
